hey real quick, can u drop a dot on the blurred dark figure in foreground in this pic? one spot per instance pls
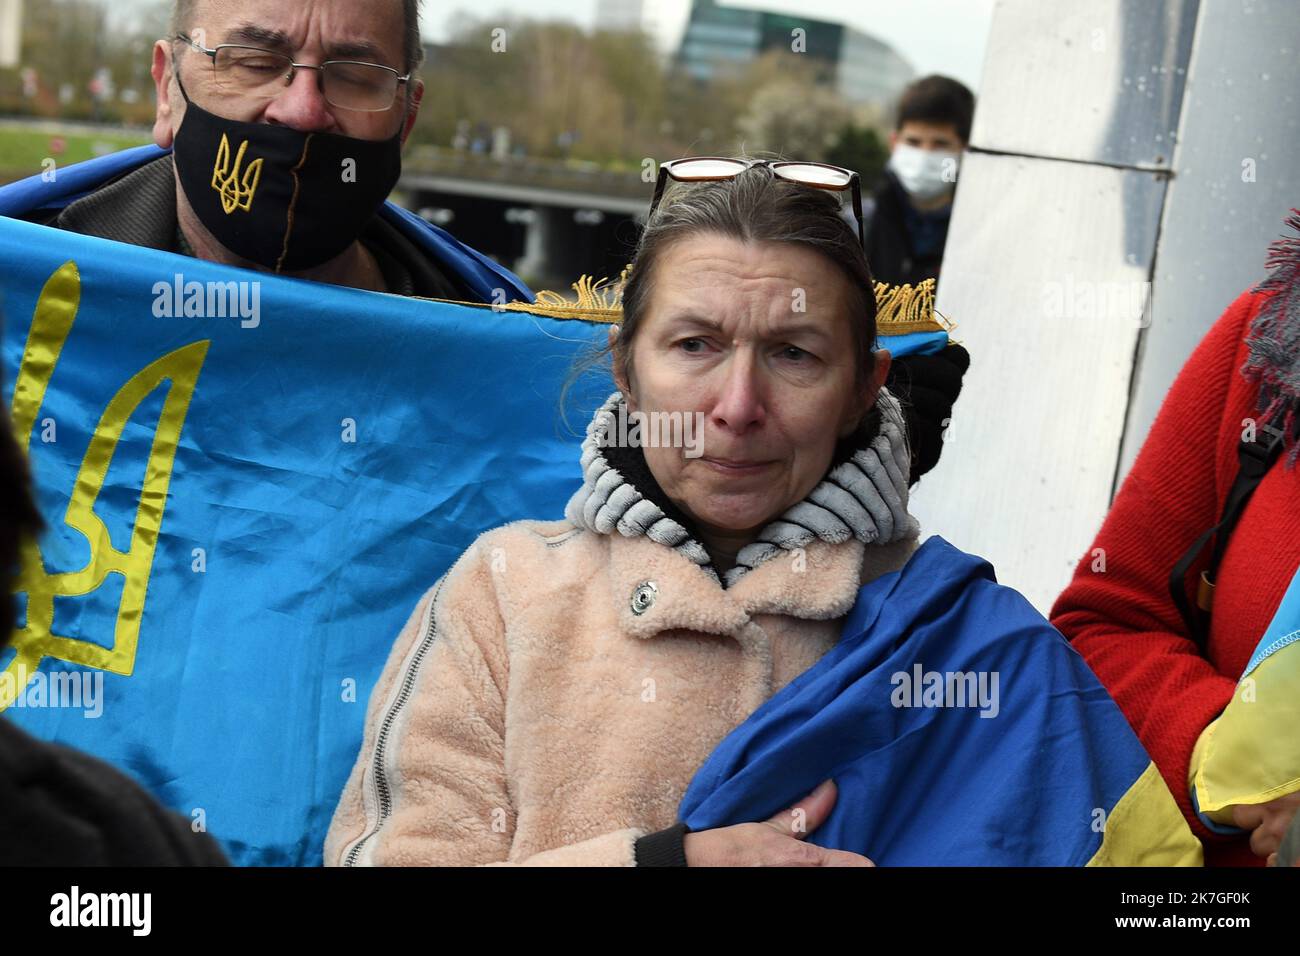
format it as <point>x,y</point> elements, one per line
<point>908,216</point>
<point>59,807</point>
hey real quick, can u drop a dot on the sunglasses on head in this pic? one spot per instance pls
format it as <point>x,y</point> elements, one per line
<point>703,169</point>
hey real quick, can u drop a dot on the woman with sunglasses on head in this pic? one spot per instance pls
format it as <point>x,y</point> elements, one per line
<point>553,695</point>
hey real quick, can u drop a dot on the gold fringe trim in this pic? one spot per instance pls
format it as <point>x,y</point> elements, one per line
<point>900,309</point>
<point>594,295</point>
<point>905,308</point>
<point>599,300</point>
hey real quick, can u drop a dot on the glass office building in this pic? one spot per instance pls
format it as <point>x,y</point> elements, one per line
<point>860,67</point>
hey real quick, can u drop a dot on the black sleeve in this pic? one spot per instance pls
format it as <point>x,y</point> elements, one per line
<point>927,386</point>
<point>131,827</point>
<point>665,848</point>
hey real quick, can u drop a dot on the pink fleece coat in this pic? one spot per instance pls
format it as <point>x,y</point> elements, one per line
<point>528,715</point>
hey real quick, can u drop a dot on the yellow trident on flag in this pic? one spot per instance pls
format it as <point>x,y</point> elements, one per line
<point>56,311</point>
<point>236,188</point>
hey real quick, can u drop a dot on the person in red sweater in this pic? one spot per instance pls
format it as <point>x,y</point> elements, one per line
<point>1118,611</point>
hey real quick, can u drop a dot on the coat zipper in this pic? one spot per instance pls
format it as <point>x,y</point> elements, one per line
<point>382,794</point>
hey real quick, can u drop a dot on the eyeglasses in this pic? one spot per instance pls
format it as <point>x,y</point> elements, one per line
<point>701,169</point>
<point>253,72</point>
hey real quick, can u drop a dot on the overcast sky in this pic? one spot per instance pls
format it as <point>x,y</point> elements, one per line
<point>936,36</point>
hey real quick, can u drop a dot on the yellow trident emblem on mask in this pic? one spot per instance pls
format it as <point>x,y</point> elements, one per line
<point>236,189</point>
<point>56,311</point>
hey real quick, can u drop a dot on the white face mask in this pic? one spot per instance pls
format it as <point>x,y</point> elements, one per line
<point>925,173</point>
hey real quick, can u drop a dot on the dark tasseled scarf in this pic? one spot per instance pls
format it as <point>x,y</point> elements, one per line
<point>1274,338</point>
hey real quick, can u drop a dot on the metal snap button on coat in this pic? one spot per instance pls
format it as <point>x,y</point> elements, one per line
<point>644,597</point>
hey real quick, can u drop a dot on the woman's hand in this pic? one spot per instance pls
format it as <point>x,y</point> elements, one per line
<point>775,842</point>
<point>1267,823</point>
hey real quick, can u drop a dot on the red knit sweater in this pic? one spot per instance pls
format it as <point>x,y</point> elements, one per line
<point>1123,621</point>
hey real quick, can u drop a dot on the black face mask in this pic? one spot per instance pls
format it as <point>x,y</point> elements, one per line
<point>278,197</point>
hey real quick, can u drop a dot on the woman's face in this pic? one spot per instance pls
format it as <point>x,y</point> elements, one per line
<point>754,337</point>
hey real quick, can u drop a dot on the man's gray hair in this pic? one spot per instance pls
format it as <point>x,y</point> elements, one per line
<point>182,10</point>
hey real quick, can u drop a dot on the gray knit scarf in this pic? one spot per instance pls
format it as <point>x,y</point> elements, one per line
<point>1274,337</point>
<point>863,497</point>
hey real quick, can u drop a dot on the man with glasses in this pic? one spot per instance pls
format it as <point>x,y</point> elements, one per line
<point>285,122</point>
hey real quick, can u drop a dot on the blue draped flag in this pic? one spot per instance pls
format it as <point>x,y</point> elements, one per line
<point>961,730</point>
<point>249,481</point>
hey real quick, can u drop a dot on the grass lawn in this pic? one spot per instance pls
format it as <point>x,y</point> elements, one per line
<point>23,151</point>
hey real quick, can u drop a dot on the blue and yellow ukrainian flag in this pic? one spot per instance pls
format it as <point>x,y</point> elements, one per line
<point>961,729</point>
